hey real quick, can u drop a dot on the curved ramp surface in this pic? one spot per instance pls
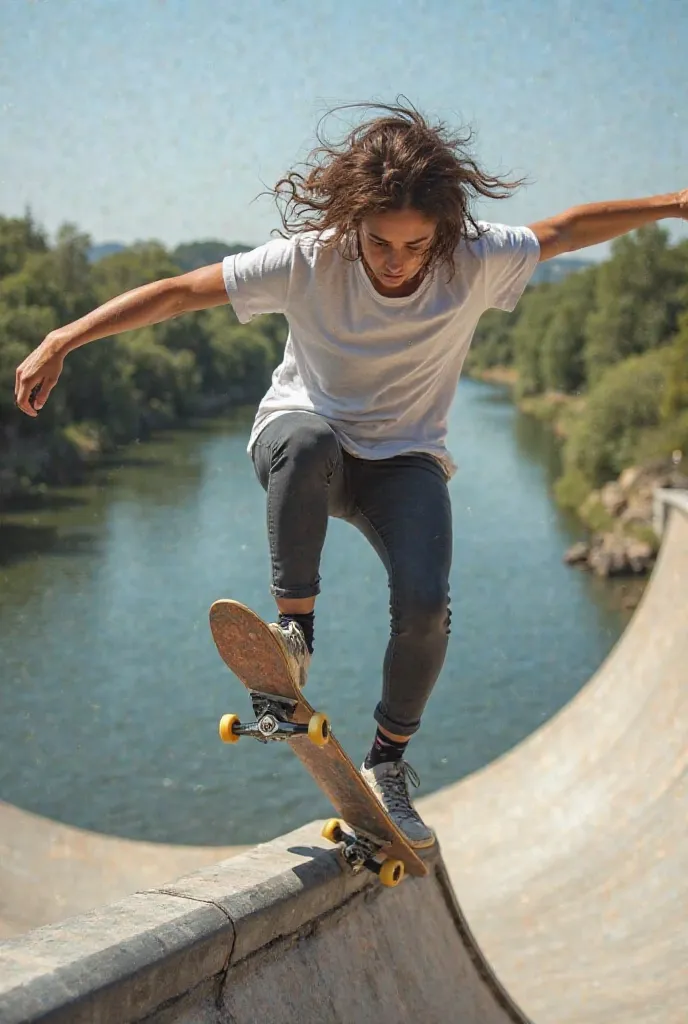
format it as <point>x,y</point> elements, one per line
<point>49,871</point>
<point>279,934</point>
<point>569,855</point>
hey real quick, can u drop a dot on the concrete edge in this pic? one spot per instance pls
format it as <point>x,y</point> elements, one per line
<point>124,961</point>
<point>665,499</point>
<point>480,964</point>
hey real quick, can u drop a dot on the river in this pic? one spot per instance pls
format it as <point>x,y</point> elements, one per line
<point>111,687</point>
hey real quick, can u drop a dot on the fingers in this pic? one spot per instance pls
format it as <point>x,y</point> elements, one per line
<point>35,378</point>
<point>32,395</point>
<point>24,396</point>
<point>40,392</point>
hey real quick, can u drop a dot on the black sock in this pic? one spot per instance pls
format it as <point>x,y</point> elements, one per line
<point>306,622</point>
<point>385,749</point>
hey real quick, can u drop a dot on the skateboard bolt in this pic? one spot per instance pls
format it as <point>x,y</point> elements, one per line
<point>267,725</point>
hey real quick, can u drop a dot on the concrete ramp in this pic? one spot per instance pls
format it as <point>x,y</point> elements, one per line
<point>49,871</point>
<point>280,934</point>
<point>569,856</point>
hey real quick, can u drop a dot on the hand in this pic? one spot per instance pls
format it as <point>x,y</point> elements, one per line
<point>682,199</point>
<point>36,377</point>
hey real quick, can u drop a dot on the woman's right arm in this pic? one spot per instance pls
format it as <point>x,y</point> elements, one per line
<point>150,304</point>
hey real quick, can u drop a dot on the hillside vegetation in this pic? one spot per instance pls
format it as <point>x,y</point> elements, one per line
<point>602,353</point>
<point>118,389</point>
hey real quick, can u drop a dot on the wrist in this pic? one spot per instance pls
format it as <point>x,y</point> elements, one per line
<point>59,343</point>
<point>669,205</point>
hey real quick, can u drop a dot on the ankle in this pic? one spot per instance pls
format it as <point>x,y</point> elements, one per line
<point>305,622</point>
<point>384,750</point>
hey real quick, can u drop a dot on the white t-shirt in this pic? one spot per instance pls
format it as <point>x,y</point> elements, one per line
<point>381,371</point>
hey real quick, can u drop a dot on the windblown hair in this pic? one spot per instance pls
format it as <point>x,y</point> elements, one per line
<point>394,161</point>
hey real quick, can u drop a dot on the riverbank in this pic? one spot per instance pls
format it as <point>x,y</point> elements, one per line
<point>618,516</point>
<point>129,385</point>
<point>67,456</point>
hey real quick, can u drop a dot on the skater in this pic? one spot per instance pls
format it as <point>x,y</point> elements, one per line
<point>382,273</point>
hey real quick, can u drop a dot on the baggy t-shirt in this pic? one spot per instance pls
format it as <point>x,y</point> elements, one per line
<point>381,371</point>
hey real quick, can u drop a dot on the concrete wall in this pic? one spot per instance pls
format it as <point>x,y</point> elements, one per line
<point>279,934</point>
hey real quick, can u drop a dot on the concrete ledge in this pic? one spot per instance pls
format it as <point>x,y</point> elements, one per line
<point>123,962</point>
<point>664,500</point>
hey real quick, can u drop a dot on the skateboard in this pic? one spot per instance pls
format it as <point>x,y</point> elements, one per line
<point>250,650</point>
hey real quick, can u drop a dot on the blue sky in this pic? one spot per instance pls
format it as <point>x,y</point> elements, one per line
<point>164,119</point>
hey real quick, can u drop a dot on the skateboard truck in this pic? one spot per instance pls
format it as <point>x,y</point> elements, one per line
<point>273,722</point>
<point>359,850</point>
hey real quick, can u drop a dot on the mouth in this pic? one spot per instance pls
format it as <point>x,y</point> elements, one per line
<point>393,277</point>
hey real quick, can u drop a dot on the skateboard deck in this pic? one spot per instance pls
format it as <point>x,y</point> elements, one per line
<point>249,649</point>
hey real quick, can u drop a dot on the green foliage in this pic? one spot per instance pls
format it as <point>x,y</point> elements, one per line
<point>562,358</point>
<point>533,324</point>
<point>615,335</point>
<point>193,255</point>
<point>492,343</point>
<point>572,488</point>
<point>676,392</point>
<point>19,237</point>
<point>139,264</point>
<point>636,300</point>
<point>624,403</point>
<point>120,388</point>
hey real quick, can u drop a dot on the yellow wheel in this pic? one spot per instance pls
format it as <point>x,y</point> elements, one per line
<point>227,723</point>
<point>391,872</point>
<point>332,831</point>
<point>319,730</point>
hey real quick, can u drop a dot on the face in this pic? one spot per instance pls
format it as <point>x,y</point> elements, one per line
<point>394,246</point>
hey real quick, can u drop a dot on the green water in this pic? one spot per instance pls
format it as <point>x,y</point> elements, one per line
<point>111,687</point>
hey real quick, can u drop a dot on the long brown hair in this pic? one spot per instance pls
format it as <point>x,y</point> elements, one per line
<point>396,160</point>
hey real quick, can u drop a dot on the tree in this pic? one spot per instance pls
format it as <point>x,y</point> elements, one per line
<point>562,359</point>
<point>636,302</point>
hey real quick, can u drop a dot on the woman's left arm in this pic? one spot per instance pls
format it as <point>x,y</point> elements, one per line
<point>591,223</point>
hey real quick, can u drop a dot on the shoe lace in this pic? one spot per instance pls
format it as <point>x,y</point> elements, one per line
<point>295,641</point>
<point>396,788</point>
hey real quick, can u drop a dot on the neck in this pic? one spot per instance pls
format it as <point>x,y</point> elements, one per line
<point>403,290</point>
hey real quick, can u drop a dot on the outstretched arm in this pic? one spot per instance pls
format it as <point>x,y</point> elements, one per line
<point>593,223</point>
<point>149,304</point>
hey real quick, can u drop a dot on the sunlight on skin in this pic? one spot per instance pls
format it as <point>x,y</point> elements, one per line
<point>394,246</point>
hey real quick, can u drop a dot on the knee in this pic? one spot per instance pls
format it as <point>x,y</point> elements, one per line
<point>422,609</point>
<point>310,447</point>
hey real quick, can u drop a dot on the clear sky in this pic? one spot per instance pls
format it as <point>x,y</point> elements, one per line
<point>164,119</point>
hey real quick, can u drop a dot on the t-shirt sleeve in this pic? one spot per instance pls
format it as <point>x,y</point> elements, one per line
<point>258,281</point>
<point>510,255</point>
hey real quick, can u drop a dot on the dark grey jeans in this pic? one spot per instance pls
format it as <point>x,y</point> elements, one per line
<point>401,505</point>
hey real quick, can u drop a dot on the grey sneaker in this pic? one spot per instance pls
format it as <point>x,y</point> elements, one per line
<point>389,783</point>
<point>293,644</point>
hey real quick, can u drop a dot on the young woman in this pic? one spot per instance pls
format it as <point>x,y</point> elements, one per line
<point>382,273</point>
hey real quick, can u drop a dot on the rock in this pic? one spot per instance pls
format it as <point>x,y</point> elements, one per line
<point>613,498</point>
<point>627,501</point>
<point>616,555</point>
<point>629,478</point>
<point>577,553</point>
<point>608,558</point>
<point>640,555</point>
<point>592,500</point>
<point>638,511</point>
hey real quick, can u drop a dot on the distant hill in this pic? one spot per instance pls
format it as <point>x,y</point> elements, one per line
<point>558,268</point>
<point>97,252</point>
<point>187,256</point>
<point>191,255</point>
